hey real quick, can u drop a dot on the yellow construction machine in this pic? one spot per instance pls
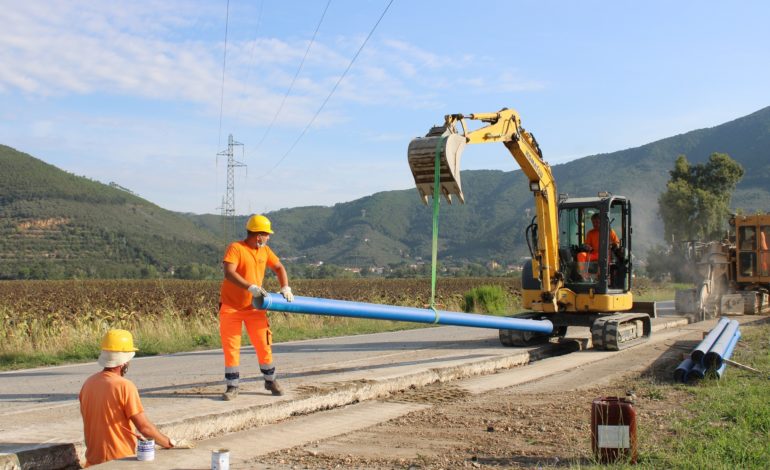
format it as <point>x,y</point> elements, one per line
<point>732,275</point>
<point>557,284</point>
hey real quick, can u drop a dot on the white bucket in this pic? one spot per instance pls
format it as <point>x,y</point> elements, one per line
<point>220,459</point>
<point>145,450</point>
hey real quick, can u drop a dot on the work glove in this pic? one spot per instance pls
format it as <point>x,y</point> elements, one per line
<point>586,248</point>
<point>257,291</point>
<point>286,293</point>
<point>181,443</point>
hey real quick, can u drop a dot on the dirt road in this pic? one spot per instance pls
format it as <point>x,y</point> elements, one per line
<point>538,424</point>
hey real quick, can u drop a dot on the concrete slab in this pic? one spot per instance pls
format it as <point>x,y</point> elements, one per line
<point>245,446</point>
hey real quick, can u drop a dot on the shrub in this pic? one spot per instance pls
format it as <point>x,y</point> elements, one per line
<point>487,299</point>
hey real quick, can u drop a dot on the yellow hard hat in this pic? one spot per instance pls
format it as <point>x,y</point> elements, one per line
<point>118,341</point>
<point>258,223</point>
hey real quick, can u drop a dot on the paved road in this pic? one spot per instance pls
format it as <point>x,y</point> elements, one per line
<point>181,392</point>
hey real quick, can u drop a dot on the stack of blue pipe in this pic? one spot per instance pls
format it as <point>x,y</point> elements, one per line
<point>710,354</point>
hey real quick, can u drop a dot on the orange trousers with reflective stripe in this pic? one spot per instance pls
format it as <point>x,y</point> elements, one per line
<point>231,321</point>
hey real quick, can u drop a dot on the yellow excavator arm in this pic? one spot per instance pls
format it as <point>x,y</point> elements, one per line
<point>446,144</point>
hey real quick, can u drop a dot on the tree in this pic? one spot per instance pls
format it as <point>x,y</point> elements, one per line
<point>696,202</point>
<point>694,206</point>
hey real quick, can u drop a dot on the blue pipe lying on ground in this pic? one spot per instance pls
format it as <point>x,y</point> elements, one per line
<point>344,308</point>
<point>698,371</point>
<point>703,347</point>
<point>728,353</point>
<point>713,358</point>
<point>717,346</point>
<point>683,371</point>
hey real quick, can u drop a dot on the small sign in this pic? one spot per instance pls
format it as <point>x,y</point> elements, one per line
<point>613,437</point>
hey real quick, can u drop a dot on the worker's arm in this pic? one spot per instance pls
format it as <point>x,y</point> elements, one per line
<point>232,276</point>
<point>614,240</point>
<point>283,280</point>
<point>147,429</point>
<point>615,246</point>
<point>281,274</point>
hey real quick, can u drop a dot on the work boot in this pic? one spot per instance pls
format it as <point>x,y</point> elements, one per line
<point>230,393</point>
<point>274,388</point>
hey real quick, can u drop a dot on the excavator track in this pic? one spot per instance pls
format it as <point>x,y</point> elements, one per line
<point>518,338</point>
<point>620,331</point>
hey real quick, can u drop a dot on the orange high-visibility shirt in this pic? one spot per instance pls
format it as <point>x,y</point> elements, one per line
<point>592,238</point>
<point>107,403</point>
<point>249,263</point>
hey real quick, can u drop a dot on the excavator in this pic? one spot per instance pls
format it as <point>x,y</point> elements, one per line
<point>558,283</point>
<point>733,274</point>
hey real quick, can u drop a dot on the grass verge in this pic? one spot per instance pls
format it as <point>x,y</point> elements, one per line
<point>714,423</point>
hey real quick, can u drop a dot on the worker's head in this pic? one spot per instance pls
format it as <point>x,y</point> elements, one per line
<point>117,349</point>
<point>259,227</point>
<point>595,220</point>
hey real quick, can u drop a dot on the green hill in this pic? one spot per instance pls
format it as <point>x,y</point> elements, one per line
<point>393,226</point>
<point>66,225</point>
<point>54,224</point>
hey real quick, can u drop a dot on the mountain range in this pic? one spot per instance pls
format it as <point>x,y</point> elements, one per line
<point>56,224</point>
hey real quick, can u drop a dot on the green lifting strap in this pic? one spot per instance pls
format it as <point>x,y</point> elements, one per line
<point>436,201</point>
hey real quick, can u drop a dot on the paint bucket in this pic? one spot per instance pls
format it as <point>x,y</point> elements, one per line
<point>613,429</point>
<point>145,449</point>
<point>220,459</point>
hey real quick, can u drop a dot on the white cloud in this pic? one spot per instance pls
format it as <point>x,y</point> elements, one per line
<point>125,92</point>
<point>140,49</point>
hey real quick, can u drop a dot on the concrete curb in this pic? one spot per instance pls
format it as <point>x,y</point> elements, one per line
<point>341,394</point>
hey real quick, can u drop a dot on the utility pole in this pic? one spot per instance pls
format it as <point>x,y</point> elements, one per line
<point>228,203</point>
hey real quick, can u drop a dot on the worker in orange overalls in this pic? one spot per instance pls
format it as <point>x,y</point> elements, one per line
<point>111,408</point>
<point>244,265</point>
<point>590,250</point>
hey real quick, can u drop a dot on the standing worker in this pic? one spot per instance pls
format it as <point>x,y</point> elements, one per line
<point>244,265</point>
<point>110,404</point>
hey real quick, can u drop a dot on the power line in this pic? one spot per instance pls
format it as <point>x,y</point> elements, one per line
<point>251,54</point>
<point>224,64</point>
<point>222,93</point>
<point>315,116</point>
<point>293,80</point>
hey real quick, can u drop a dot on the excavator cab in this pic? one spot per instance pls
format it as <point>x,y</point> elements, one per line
<point>608,269</point>
<point>752,233</point>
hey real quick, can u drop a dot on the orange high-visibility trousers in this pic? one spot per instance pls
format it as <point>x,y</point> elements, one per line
<point>257,327</point>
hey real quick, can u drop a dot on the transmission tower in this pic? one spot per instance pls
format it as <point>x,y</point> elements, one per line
<point>228,203</point>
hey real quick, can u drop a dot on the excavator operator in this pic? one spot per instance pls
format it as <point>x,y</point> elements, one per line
<point>589,252</point>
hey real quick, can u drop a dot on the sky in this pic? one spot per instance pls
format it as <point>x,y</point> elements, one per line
<point>325,95</point>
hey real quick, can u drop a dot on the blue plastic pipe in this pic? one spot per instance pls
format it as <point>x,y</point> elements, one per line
<point>713,358</point>
<point>682,372</point>
<point>344,308</point>
<point>698,371</point>
<point>728,353</point>
<point>703,347</point>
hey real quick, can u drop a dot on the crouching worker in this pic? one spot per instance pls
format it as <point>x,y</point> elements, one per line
<point>111,408</point>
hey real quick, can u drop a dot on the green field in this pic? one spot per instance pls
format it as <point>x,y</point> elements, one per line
<point>56,322</point>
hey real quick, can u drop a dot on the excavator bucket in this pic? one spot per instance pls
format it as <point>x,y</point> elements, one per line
<point>422,161</point>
